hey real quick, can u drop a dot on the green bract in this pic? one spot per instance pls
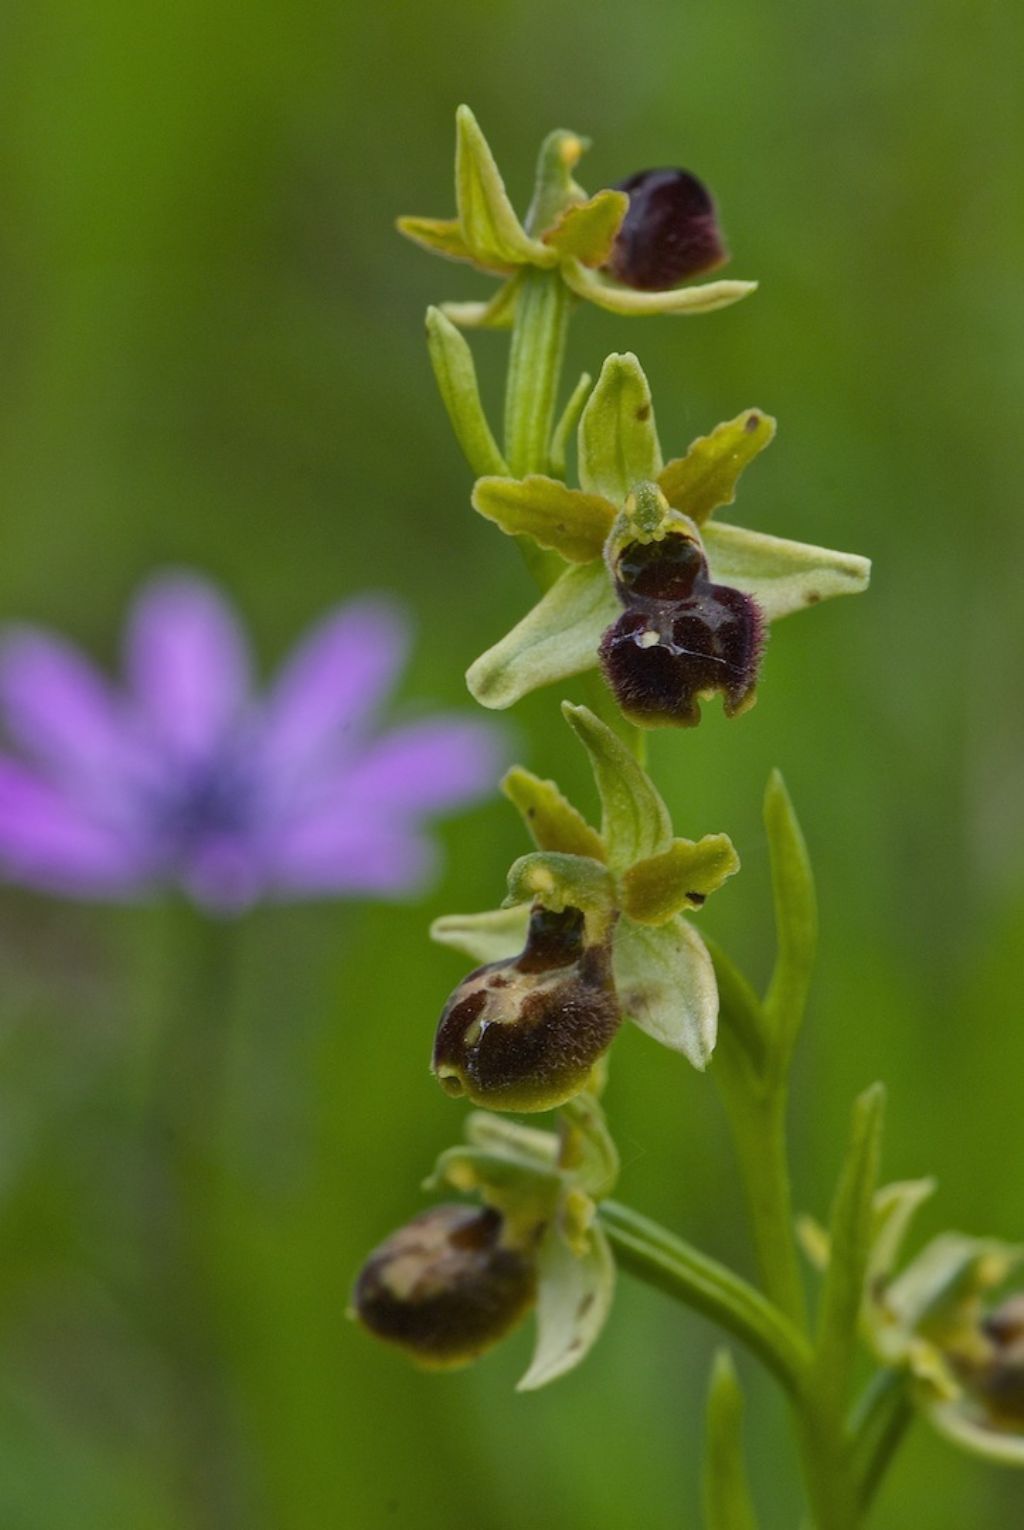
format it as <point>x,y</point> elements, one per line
<point>633,877</point>
<point>626,494</point>
<point>564,230</point>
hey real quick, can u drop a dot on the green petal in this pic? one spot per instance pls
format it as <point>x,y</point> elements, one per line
<point>617,299</point>
<point>666,985</point>
<point>558,638</point>
<point>490,227</point>
<point>681,877</point>
<point>551,819</point>
<point>565,520</point>
<point>573,1301</point>
<point>635,822</point>
<point>490,937</point>
<point>895,1207</point>
<point>617,439</point>
<point>782,576</point>
<point>561,881</point>
<point>706,477</point>
<point>587,231</point>
<point>497,313</point>
<point>455,373</point>
<point>443,236</point>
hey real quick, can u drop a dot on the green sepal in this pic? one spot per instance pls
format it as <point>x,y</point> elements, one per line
<point>490,227</point>
<point>666,985</point>
<point>796,921</point>
<point>951,1271</point>
<point>587,230</point>
<point>587,1150</point>
<point>635,822</point>
<point>626,300</point>
<point>554,188</point>
<point>955,1423</point>
<point>617,440</point>
<point>706,478</point>
<point>524,1191</point>
<point>782,576</point>
<point>558,638</point>
<point>574,1298</point>
<point>455,373</point>
<point>850,1233</point>
<point>490,937</point>
<point>894,1209</point>
<point>497,313</point>
<point>567,423</point>
<point>727,1501</point>
<point>551,819</point>
<point>443,236</point>
<point>561,881</point>
<point>681,877</point>
<point>564,520</point>
<point>483,1129</point>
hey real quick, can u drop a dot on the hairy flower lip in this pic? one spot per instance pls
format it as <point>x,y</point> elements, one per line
<point>670,233</point>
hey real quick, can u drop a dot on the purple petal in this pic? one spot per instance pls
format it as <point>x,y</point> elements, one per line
<point>224,875</point>
<point>426,767</point>
<point>342,855</point>
<point>330,686</point>
<point>59,708</point>
<point>47,841</point>
<point>188,663</point>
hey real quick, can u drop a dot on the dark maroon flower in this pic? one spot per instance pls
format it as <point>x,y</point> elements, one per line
<point>446,1286</point>
<point>670,231</point>
<point>524,1033</point>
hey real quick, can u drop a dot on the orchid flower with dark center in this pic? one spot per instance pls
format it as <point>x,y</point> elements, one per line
<point>185,777</point>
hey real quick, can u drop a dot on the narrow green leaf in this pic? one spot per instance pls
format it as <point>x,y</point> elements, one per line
<point>782,576</point>
<point>666,985</point>
<point>587,230</point>
<point>558,638</point>
<point>727,1501</point>
<point>626,300</point>
<point>850,1230</point>
<point>487,218</point>
<point>681,877</point>
<point>455,372</point>
<point>566,521</point>
<point>635,821</point>
<point>490,937</point>
<point>617,440</point>
<point>551,819</point>
<point>706,477</point>
<point>561,881</point>
<point>567,424</point>
<point>796,920</point>
<point>573,1301</point>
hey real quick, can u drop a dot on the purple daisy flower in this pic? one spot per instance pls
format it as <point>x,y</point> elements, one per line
<point>185,777</point>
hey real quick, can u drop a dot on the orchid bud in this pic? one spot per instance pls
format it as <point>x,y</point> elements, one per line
<point>524,1033</point>
<point>670,231</point>
<point>681,638</point>
<point>447,1286</point>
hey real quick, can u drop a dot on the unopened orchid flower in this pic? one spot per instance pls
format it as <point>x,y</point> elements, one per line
<point>184,776</point>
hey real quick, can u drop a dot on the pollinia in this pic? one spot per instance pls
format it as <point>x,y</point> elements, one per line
<point>662,607</point>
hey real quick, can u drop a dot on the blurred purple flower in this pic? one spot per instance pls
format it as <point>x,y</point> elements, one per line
<point>184,777</point>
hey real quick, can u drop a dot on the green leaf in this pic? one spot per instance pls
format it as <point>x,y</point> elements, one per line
<point>618,442</point>
<point>487,218</point>
<point>587,230</point>
<point>796,920</point>
<point>666,985</point>
<point>497,313</point>
<point>727,1501</point>
<point>442,236</point>
<point>588,1151</point>
<point>490,937</point>
<point>567,521</point>
<point>573,1301</point>
<point>850,1230</point>
<point>551,819</point>
<point>626,300</point>
<point>567,424</point>
<point>561,881</point>
<point>706,477</point>
<point>558,638</point>
<point>681,877</point>
<point>455,372</point>
<point>782,576</point>
<point>635,822</point>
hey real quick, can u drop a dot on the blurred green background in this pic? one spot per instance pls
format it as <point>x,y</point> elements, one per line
<point>212,355</point>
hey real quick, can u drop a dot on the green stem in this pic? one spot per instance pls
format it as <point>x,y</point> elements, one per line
<point>535,370</point>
